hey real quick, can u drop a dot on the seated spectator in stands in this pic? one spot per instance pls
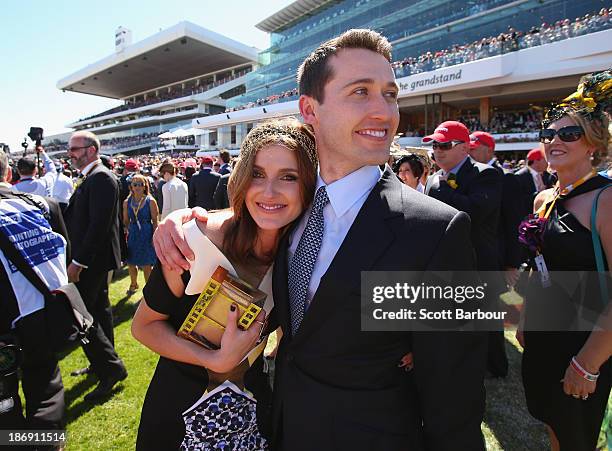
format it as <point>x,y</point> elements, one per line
<point>174,191</point>
<point>28,183</point>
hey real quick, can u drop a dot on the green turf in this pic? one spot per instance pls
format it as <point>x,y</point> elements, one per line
<point>112,425</point>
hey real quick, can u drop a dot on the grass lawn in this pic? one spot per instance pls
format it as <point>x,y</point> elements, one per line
<point>112,425</point>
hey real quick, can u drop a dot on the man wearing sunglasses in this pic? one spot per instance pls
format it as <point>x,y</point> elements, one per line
<point>476,189</point>
<point>92,220</point>
<point>534,178</point>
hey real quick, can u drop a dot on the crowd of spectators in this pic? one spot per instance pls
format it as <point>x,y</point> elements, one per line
<point>173,92</point>
<point>276,98</point>
<point>506,122</point>
<point>114,143</point>
<point>510,41</point>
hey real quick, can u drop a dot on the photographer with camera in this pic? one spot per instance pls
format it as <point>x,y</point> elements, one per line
<point>28,170</point>
<point>32,226</point>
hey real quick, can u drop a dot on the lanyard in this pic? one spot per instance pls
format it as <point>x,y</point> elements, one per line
<point>545,213</point>
<point>136,209</point>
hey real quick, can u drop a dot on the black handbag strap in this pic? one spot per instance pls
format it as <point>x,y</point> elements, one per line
<point>12,254</point>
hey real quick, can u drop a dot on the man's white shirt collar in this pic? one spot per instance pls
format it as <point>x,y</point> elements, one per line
<point>343,193</point>
<point>89,167</point>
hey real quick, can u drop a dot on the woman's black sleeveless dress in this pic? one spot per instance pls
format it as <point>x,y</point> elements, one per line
<point>175,387</point>
<point>568,247</point>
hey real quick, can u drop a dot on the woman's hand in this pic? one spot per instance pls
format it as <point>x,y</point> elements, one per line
<point>236,343</point>
<point>575,385</point>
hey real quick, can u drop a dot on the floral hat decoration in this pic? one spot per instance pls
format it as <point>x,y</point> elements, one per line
<point>592,99</point>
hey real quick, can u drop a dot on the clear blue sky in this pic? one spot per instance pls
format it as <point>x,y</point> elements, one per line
<point>44,41</point>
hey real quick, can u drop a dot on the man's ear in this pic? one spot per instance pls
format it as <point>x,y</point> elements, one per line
<point>308,109</point>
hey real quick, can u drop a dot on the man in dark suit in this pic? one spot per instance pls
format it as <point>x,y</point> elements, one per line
<point>221,197</point>
<point>336,386</point>
<point>476,189</point>
<point>533,178</point>
<point>225,158</point>
<point>482,150</point>
<point>202,186</point>
<point>92,220</point>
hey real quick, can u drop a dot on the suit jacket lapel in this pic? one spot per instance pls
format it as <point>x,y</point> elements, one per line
<point>433,183</point>
<point>367,239</point>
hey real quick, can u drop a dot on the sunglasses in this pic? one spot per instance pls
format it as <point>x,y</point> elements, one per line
<point>565,134</point>
<point>445,146</point>
<point>138,184</point>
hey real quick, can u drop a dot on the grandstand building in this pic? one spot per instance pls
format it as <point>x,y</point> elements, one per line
<point>494,64</point>
<point>164,82</point>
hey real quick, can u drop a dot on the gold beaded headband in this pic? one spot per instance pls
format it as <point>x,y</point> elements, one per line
<point>277,132</point>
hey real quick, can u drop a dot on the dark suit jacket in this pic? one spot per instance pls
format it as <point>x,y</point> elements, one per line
<point>202,188</point>
<point>225,168</point>
<point>338,387</point>
<point>528,188</point>
<point>511,215</point>
<point>92,220</point>
<point>221,197</point>
<point>479,194</point>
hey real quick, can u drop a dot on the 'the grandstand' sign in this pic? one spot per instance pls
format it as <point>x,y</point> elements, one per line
<point>448,78</point>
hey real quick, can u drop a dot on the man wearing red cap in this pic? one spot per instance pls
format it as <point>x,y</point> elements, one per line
<point>476,189</point>
<point>534,178</point>
<point>482,149</point>
<point>202,186</point>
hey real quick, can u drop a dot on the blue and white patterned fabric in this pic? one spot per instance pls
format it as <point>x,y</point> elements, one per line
<point>223,419</point>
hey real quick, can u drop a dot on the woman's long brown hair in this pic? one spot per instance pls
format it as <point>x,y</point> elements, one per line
<point>241,235</point>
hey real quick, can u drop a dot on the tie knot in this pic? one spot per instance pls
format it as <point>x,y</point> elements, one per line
<point>320,200</point>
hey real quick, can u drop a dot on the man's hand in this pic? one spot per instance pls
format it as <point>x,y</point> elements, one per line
<point>169,239</point>
<point>74,272</point>
<point>40,149</point>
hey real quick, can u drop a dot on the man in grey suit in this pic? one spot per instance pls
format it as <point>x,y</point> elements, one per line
<point>338,387</point>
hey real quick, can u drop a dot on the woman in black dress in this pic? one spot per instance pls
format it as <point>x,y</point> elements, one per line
<point>218,399</point>
<point>567,374</point>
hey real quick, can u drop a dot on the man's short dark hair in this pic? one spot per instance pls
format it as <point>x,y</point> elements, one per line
<point>224,155</point>
<point>314,73</point>
<point>26,166</point>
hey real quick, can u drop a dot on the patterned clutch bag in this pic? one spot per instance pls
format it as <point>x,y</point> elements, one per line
<point>208,317</point>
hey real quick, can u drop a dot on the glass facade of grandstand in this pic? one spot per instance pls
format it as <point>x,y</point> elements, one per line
<point>425,34</point>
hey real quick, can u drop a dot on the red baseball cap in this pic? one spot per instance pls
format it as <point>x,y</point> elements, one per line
<point>449,131</point>
<point>484,138</point>
<point>207,161</point>
<point>535,154</point>
<point>131,164</point>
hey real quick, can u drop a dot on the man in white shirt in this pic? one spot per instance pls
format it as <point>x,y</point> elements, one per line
<point>63,187</point>
<point>28,183</point>
<point>534,178</point>
<point>332,377</point>
<point>175,192</point>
